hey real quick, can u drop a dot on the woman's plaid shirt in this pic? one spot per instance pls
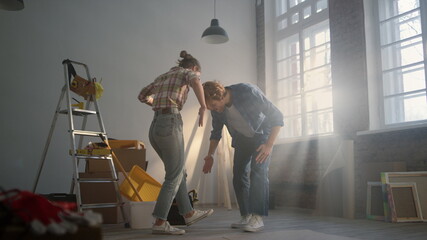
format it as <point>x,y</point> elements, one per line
<point>169,90</point>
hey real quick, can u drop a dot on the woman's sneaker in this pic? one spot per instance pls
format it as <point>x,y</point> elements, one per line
<point>167,229</point>
<point>243,222</point>
<point>255,224</point>
<point>197,216</point>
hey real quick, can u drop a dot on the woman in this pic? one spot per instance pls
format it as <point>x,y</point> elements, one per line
<point>167,96</point>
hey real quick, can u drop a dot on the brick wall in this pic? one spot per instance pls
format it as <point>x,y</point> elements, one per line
<point>260,44</point>
<point>296,168</point>
<point>387,151</point>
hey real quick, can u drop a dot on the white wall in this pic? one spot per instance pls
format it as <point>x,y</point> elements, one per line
<point>127,44</point>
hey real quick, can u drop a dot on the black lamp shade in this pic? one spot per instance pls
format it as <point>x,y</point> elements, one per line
<point>215,34</point>
<point>12,5</point>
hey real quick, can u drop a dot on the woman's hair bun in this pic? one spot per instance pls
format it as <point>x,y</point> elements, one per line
<point>188,61</point>
<point>185,55</point>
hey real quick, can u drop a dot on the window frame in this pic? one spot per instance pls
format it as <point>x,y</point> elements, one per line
<point>316,17</point>
<point>378,97</point>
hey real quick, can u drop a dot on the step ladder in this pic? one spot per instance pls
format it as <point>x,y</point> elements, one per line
<point>75,151</point>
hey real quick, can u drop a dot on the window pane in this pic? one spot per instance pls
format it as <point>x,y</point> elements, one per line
<point>288,47</point>
<point>293,3</point>
<point>404,80</point>
<point>317,78</point>
<point>292,116</point>
<point>407,5</point>
<point>411,107</point>
<point>317,57</point>
<point>316,35</point>
<point>281,7</point>
<point>402,53</point>
<point>317,46</point>
<point>321,5</point>
<point>290,106</point>
<point>400,28</point>
<point>391,8</point>
<point>288,87</point>
<point>295,18</point>
<point>319,122</point>
<point>318,100</point>
<point>307,12</point>
<point>282,24</point>
<point>293,127</point>
<point>415,107</point>
<point>288,67</point>
<point>288,56</point>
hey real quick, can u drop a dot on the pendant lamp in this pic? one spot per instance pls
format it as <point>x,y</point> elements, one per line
<point>12,5</point>
<point>215,34</point>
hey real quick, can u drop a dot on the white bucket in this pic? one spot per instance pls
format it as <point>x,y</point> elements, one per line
<point>141,214</point>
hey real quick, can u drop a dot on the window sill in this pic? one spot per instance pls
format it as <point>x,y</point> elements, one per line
<point>305,139</point>
<point>393,129</point>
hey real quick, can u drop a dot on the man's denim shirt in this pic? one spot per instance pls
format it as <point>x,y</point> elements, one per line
<point>254,107</point>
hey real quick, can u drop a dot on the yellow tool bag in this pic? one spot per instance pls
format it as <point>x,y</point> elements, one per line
<point>81,86</point>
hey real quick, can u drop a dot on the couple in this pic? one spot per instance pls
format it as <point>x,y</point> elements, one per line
<point>252,121</point>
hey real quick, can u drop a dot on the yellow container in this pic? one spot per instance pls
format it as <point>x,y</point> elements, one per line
<point>146,185</point>
<point>80,105</point>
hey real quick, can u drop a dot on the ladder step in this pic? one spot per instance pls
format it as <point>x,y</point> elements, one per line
<point>90,152</point>
<point>100,205</point>
<point>79,156</point>
<point>96,180</point>
<point>87,133</point>
<point>79,112</point>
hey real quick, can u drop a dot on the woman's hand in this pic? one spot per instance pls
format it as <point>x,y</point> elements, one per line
<point>208,164</point>
<point>149,101</point>
<point>201,115</point>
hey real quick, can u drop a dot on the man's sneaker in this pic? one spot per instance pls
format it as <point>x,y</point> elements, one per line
<point>197,216</point>
<point>167,229</point>
<point>243,221</point>
<point>255,224</point>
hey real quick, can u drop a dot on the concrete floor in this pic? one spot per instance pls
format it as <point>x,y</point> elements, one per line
<point>283,223</point>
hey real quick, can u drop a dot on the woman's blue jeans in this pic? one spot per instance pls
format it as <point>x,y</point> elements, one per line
<point>250,179</point>
<point>167,139</point>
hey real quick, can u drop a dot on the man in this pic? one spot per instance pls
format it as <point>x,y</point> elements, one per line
<point>253,123</point>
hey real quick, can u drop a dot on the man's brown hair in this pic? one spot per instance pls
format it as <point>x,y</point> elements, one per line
<point>214,90</point>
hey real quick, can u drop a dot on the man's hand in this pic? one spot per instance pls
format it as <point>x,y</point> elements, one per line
<point>264,150</point>
<point>208,164</point>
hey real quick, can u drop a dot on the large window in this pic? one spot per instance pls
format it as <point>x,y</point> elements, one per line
<point>402,61</point>
<point>302,83</point>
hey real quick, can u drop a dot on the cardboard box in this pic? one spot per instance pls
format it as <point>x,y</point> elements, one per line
<point>129,153</point>
<point>127,157</point>
<point>101,193</point>
<point>135,144</point>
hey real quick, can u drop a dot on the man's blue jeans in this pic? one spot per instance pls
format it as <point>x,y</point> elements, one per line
<point>250,179</point>
<point>167,139</point>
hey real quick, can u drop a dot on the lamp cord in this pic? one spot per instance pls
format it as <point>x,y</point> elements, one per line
<point>214,8</point>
